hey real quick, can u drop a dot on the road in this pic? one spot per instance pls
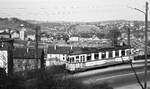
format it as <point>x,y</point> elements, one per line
<point>115,76</point>
<point>116,80</point>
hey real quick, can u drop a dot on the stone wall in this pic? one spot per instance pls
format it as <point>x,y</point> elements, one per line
<point>54,61</point>
<point>25,64</point>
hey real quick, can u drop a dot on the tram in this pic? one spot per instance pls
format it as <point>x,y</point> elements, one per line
<point>86,58</point>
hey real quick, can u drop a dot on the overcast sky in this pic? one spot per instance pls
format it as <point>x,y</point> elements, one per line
<point>72,10</point>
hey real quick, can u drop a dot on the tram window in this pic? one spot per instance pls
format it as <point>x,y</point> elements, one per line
<point>83,57</point>
<point>103,55</point>
<point>88,58</point>
<point>123,52</point>
<point>117,53</point>
<point>63,58</point>
<point>110,54</point>
<point>71,60</point>
<point>96,56</point>
<point>68,59</point>
<point>77,57</point>
<point>128,52</point>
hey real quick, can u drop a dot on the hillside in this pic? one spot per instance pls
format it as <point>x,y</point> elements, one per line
<point>85,29</point>
<point>78,27</point>
<point>14,24</point>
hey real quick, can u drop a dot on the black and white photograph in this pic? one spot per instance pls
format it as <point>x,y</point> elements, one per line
<point>74,44</point>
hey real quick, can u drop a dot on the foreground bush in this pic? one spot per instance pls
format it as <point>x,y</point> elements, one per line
<point>46,79</point>
<point>13,82</point>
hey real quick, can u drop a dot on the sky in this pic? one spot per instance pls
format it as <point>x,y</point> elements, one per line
<point>73,10</point>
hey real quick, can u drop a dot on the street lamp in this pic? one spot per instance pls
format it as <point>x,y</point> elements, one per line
<point>146,26</point>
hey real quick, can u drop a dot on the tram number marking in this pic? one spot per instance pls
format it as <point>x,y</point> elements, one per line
<point>118,59</point>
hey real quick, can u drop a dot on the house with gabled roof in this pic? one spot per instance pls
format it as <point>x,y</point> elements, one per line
<point>24,58</point>
<point>5,34</point>
<point>30,35</point>
<point>88,37</point>
<point>58,53</point>
<point>15,34</point>
<point>74,38</point>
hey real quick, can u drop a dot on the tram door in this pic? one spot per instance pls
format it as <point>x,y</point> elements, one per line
<point>79,62</point>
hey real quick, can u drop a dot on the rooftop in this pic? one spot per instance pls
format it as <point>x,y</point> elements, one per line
<point>80,50</point>
<point>26,53</point>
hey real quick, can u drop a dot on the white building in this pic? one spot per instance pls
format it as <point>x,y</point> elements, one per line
<point>30,36</point>
<point>22,33</point>
<point>57,53</point>
<point>15,35</point>
<point>74,38</point>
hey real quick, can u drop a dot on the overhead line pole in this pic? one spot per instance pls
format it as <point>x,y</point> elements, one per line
<point>128,36</point>
<point>146,26</point>
<point>36,44</point>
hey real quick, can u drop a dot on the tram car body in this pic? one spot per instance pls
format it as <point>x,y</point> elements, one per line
<point>86,58</point>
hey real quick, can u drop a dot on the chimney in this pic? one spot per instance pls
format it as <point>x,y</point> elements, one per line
<point>71,47</point>
<point>128,36</point>
<point>27,49</point>
<point>121,43</point>
<point>55,46</point>
<point>83,46</point>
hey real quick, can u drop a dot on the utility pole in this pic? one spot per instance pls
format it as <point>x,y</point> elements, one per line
<point>128,36</point>
<point>146,26</point>
<point>36,45</point>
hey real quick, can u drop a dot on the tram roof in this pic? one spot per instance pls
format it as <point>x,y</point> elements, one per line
<point>96,50</point>
<point>81,50</point>
<point>61,49</point>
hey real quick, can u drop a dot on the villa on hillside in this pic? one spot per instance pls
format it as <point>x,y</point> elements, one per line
<point>15,34</point>
<point>84,37</point>
<point>74,38</point>
<point>30,35</point>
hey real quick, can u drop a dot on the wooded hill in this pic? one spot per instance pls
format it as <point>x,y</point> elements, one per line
<point>14,24</point>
